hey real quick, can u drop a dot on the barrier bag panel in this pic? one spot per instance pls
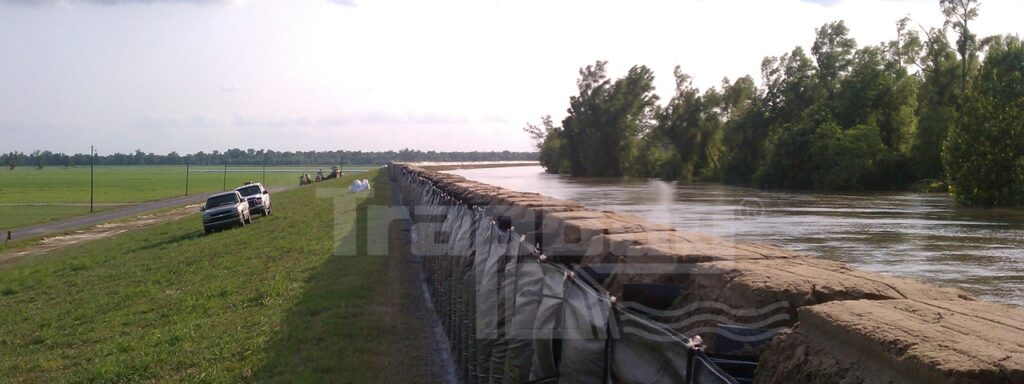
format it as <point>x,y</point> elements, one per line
<point>488,261</point>
<point>585,335</point>
<point>505,282</point>
<point>524,293</point>
<point>704,371</point>
<point>547,326</point>
<point>513,316</point>
<point>646,352</point>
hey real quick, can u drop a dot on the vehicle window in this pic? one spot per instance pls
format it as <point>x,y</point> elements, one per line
<point>250,190</point>
<point>217,201</point>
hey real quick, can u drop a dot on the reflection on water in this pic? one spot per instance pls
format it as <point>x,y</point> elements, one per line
<point>926,236</point>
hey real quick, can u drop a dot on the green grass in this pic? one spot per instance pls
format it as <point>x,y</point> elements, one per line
<point>268,302</point>
<point>120,184</point>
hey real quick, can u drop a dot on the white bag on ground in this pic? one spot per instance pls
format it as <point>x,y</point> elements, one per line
<point>359,185</point>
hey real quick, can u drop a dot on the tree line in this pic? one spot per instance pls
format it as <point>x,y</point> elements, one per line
<point>235,156</point>
<point>918,108</point>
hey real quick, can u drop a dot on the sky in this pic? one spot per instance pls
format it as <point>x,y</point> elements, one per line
<point>445,75</point>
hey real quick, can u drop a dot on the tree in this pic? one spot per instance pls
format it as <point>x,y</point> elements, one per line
<point>140,157</point>
<point>37,157</point>
<point>605,118</point>
<point>11,159</point>
<point>795,158</point>
<point>746,130</point>
<point>548,139</point>
<point>937,100</point>
<point>579,127</point>
<point>857,159</point>
<point>879,92</point>
<point>791,87</point>
<point>537,133</point>
<point>692,123</point>
<point>833,51</point>
<point>850,118</point>
<point>794,112</point>
<point>906,49</point>
<point>629,117</point>
<point>958,14</point>
<point>984,154</point>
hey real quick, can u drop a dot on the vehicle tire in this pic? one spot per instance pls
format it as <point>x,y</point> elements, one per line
<point>207,231</point>
<point>241,222</point>
<point>266,212</point>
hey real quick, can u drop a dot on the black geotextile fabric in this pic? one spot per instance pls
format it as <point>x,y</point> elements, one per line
<point>511,316</point>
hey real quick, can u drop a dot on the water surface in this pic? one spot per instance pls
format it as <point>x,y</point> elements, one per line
<point>925,236</point>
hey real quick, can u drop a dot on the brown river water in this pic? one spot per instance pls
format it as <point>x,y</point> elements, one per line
<point>925,236</point>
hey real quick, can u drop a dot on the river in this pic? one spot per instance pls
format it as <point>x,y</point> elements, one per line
<point>925,236</point>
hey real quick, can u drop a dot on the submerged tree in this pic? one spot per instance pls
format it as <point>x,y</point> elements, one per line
<point>605,119</point>
<point>873,117</point>
<point>548,140</point>
<point>937,103</point>
<point>746,130</point>
<point>984,155</point>
<point>692,123</point>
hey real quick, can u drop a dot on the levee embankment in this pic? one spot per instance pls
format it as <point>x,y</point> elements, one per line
<point>803,319</point>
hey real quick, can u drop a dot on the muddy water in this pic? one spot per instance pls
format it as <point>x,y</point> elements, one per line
<point>926,236</point>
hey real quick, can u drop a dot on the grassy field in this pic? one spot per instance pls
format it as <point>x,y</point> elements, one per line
<point>65,189</point>
<point>268,302</point>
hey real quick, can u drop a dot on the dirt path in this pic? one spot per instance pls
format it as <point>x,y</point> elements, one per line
<point>100,231</point>
<point>66,204</point>
<point>60,226</point>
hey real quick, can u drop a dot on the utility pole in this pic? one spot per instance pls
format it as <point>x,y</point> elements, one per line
<point>225,175</point>
<point>264,168</point>
<point>92,174</point>
<point>186,176</point>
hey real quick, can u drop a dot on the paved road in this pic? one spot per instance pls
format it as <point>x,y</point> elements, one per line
<point>64,225</point>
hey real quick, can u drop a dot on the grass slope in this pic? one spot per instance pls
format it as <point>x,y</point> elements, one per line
<point>269,302</point>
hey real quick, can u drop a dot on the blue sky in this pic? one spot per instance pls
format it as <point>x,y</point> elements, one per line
<point>192,75</point>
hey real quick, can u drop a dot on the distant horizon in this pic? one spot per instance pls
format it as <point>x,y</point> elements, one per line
<point>237,156</point>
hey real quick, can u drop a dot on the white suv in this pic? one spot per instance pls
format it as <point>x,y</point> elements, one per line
<point>258,198</point>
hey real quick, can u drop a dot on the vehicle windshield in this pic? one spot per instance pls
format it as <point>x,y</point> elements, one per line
<point>250,190</point>
<point>219,200</point>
